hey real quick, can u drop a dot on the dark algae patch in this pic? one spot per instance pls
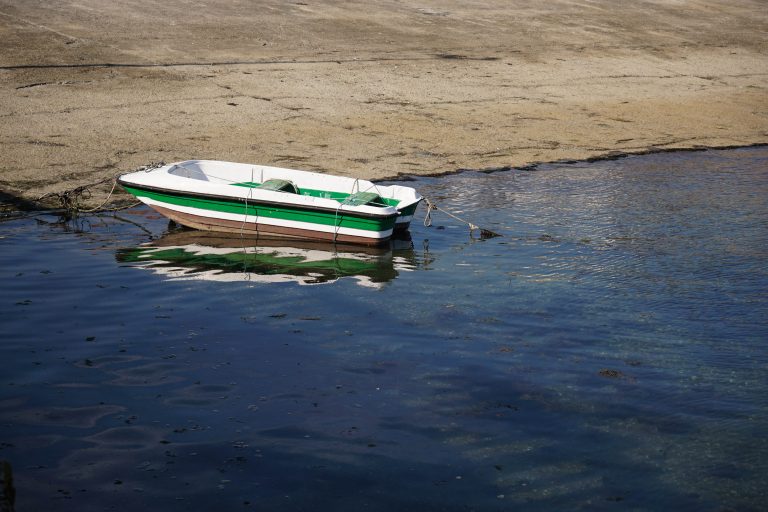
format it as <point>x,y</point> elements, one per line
<point>8,497</point>
<point>607,352</point>
<point>611,374</point>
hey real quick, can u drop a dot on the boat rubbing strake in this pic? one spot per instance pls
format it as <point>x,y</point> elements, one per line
<point>256,199</point>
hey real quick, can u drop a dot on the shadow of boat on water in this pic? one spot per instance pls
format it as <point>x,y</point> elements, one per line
<point>199,255</point>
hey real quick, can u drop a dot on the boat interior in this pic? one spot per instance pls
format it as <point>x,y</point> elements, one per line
<point>358,198</point>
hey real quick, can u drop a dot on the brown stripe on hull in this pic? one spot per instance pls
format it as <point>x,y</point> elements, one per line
<point>251,228</point>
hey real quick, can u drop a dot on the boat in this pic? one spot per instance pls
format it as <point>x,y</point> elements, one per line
<point>208,256</point>
<point>251,199</point>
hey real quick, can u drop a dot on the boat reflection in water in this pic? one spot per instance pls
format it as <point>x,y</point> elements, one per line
<point>199,255</point>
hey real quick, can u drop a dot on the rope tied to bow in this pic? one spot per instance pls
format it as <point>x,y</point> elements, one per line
<point>484,233</point>
<point>428,217</point>
<point>72,200</point>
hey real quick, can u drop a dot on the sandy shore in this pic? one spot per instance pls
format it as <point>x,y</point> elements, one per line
<point>92,89</point>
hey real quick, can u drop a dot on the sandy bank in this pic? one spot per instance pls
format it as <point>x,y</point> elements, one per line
<point>370,89</point>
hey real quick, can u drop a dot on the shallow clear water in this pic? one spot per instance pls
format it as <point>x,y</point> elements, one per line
<point>609,351</point>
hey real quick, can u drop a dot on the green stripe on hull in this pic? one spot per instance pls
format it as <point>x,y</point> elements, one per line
<point>295,214</point>
<point>410,210</point>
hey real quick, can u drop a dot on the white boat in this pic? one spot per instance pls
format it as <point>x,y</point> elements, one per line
<point>271,201</point>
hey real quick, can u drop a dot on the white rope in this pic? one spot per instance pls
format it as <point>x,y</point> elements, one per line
<point>146,168</point>
<point>472,227</point>
<point>114,184</point>
<point>336,223</point>
<point>428,216</point>
<point>245,217</point>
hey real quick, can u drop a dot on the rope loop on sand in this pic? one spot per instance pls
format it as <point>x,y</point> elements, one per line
<point>71,200</point>
<point>114,184</point>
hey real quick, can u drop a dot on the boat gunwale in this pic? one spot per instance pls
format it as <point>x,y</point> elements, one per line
<point>404,203</point>
<point>342,209</point>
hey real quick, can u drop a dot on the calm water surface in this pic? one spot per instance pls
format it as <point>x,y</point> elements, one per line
<point>608,352</point>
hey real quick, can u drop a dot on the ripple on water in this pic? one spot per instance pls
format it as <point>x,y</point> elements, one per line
<point>608,350</point>
<point>75,417</point>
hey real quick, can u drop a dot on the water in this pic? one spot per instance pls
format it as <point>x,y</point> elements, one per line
<point>607,352</point>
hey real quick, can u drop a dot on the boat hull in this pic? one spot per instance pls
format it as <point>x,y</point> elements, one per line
<point>230,215</point>
<point>405,216</point>
<point>269,201</point>
<point>251,228</point>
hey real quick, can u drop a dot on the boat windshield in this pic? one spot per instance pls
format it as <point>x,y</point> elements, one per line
<point>188,172</point>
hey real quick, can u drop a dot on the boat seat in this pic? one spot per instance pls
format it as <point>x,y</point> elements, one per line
<point>363,198</point>
<point>279,185</point>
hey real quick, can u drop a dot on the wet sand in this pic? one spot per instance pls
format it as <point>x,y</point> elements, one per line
<point>369,89</point>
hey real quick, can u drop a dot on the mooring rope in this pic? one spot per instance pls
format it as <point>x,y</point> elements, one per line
<point>114,184</point>
<point>428,216</point>
<point>101,208</point>
<point>70,199</point>
<point>337,223</point>
<point>484,233</point>
<point>245,217</point>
